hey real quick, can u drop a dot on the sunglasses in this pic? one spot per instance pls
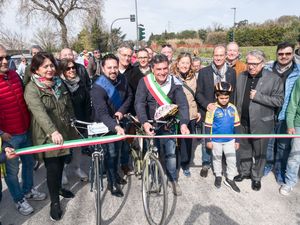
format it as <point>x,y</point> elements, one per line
<point>286,54</point>
<point>71,67</point>
<point>166,45</point>
<point>4,57</point>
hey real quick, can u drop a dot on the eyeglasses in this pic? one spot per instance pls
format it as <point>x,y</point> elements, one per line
<point>4,57</point>
<point>71,67</point>
<point>284,53</point>
<point>146,57</point>
<point>166,45</point>
<point>254,64</point>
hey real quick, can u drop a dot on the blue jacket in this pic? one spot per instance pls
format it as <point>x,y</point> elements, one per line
<point>288,87</point>
<point>104,109</point>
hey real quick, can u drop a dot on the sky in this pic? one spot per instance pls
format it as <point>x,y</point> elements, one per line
<point>174,15</point>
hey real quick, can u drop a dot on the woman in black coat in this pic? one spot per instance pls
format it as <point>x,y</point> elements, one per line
<point>81,104</point>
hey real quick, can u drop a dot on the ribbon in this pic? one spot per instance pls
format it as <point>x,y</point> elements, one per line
<point>114,138</point>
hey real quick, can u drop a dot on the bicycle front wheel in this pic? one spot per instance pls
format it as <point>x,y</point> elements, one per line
<point>154,187</point>
<point>97,189</point>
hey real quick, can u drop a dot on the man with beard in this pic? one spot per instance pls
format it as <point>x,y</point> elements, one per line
<point>111,97</point>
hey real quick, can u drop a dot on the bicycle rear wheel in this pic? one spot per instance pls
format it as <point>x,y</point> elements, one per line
<point>154,188</point>
<point>97,189</point>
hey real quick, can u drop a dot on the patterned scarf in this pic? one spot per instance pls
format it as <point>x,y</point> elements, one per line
<point>220,74</point>
<point>72,84</point>
<point>51,86</point>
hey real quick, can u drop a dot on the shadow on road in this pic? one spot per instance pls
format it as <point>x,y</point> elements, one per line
<point>119,209</point>
<point>216,215</point>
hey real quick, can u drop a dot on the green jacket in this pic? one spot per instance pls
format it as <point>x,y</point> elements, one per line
<point>49,115</point>
<point>293,110</point>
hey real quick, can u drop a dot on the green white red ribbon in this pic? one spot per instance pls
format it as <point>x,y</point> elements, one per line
<point>114,138</point>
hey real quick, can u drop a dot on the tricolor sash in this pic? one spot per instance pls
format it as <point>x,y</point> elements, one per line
<point>156,91</point>
<point>112,92</point>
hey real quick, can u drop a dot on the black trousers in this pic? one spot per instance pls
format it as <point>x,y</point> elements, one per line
<point>54,167</point>
<point>252,155</point>
<point>186,147</point>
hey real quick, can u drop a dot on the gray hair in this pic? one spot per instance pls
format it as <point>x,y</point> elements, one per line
<point>36,47</point>
<point>257,54</point>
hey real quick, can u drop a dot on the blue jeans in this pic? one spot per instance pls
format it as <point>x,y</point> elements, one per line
<point>12,169</point>
<point>283,148</point>
<point>124,154</point>
<point>206,153</point>
<point>111,160</point>
<point>168,147</point>
<point>291,176</point>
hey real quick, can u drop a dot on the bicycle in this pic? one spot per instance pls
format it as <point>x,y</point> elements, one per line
<point>154,180</point>
<point>97,164</point>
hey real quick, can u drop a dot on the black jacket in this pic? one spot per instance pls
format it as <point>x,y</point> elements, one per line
<point>205,87</point>
<point>145,104</point>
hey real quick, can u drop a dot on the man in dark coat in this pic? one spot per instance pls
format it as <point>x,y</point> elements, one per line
<point>111,97</point>
<point>218,71</point>
<point>146,103</point>
<point>259,92</point>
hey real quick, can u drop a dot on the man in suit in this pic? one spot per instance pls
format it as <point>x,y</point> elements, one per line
<point>217,72</point>
<point>259,92</point>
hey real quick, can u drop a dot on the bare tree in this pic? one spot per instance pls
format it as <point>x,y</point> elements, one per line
<point>59,11</point>
<point>12,40</point>
<point>47,39</point>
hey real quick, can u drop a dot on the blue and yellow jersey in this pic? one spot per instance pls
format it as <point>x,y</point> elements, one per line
<point>222,121</point>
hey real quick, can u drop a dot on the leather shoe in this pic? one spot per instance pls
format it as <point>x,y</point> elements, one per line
<point>241,177</point>
<point>256,185</point>
<point>66,193</point>
<point>121,180</point>
<point>116,190</point>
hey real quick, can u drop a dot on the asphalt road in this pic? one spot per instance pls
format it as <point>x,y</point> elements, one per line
<point>201,203</point>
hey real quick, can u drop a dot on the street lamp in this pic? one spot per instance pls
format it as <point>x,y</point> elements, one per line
<point>234,12</point>
<point>131,18</point>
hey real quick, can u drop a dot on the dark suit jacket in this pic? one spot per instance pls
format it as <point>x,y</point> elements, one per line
<point>262,108</point>
<point>205,87</point>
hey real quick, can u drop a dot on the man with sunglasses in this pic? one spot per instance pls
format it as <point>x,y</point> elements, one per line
<point>286,68</point>
<point>14,129</point>
<point>258,93</point>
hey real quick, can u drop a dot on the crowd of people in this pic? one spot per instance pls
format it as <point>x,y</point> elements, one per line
<point>227,96</point>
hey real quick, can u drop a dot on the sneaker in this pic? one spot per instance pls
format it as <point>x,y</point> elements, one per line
<point>176,188</point>
<point>81,174</point>
<point>35,195</point>
<point>64,179</point>
<point>24,207</point>
<point>55,211</point>
<point>66,193</point>
<point>204,172</point>
<point>232,185</point>
<point>285,190</point>
<point>218,182</point>
<point>187,173</point>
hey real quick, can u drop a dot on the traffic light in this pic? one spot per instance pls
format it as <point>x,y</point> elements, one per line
<point>141,32</point>
<point>231,35</point>
<point>132,18</point>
